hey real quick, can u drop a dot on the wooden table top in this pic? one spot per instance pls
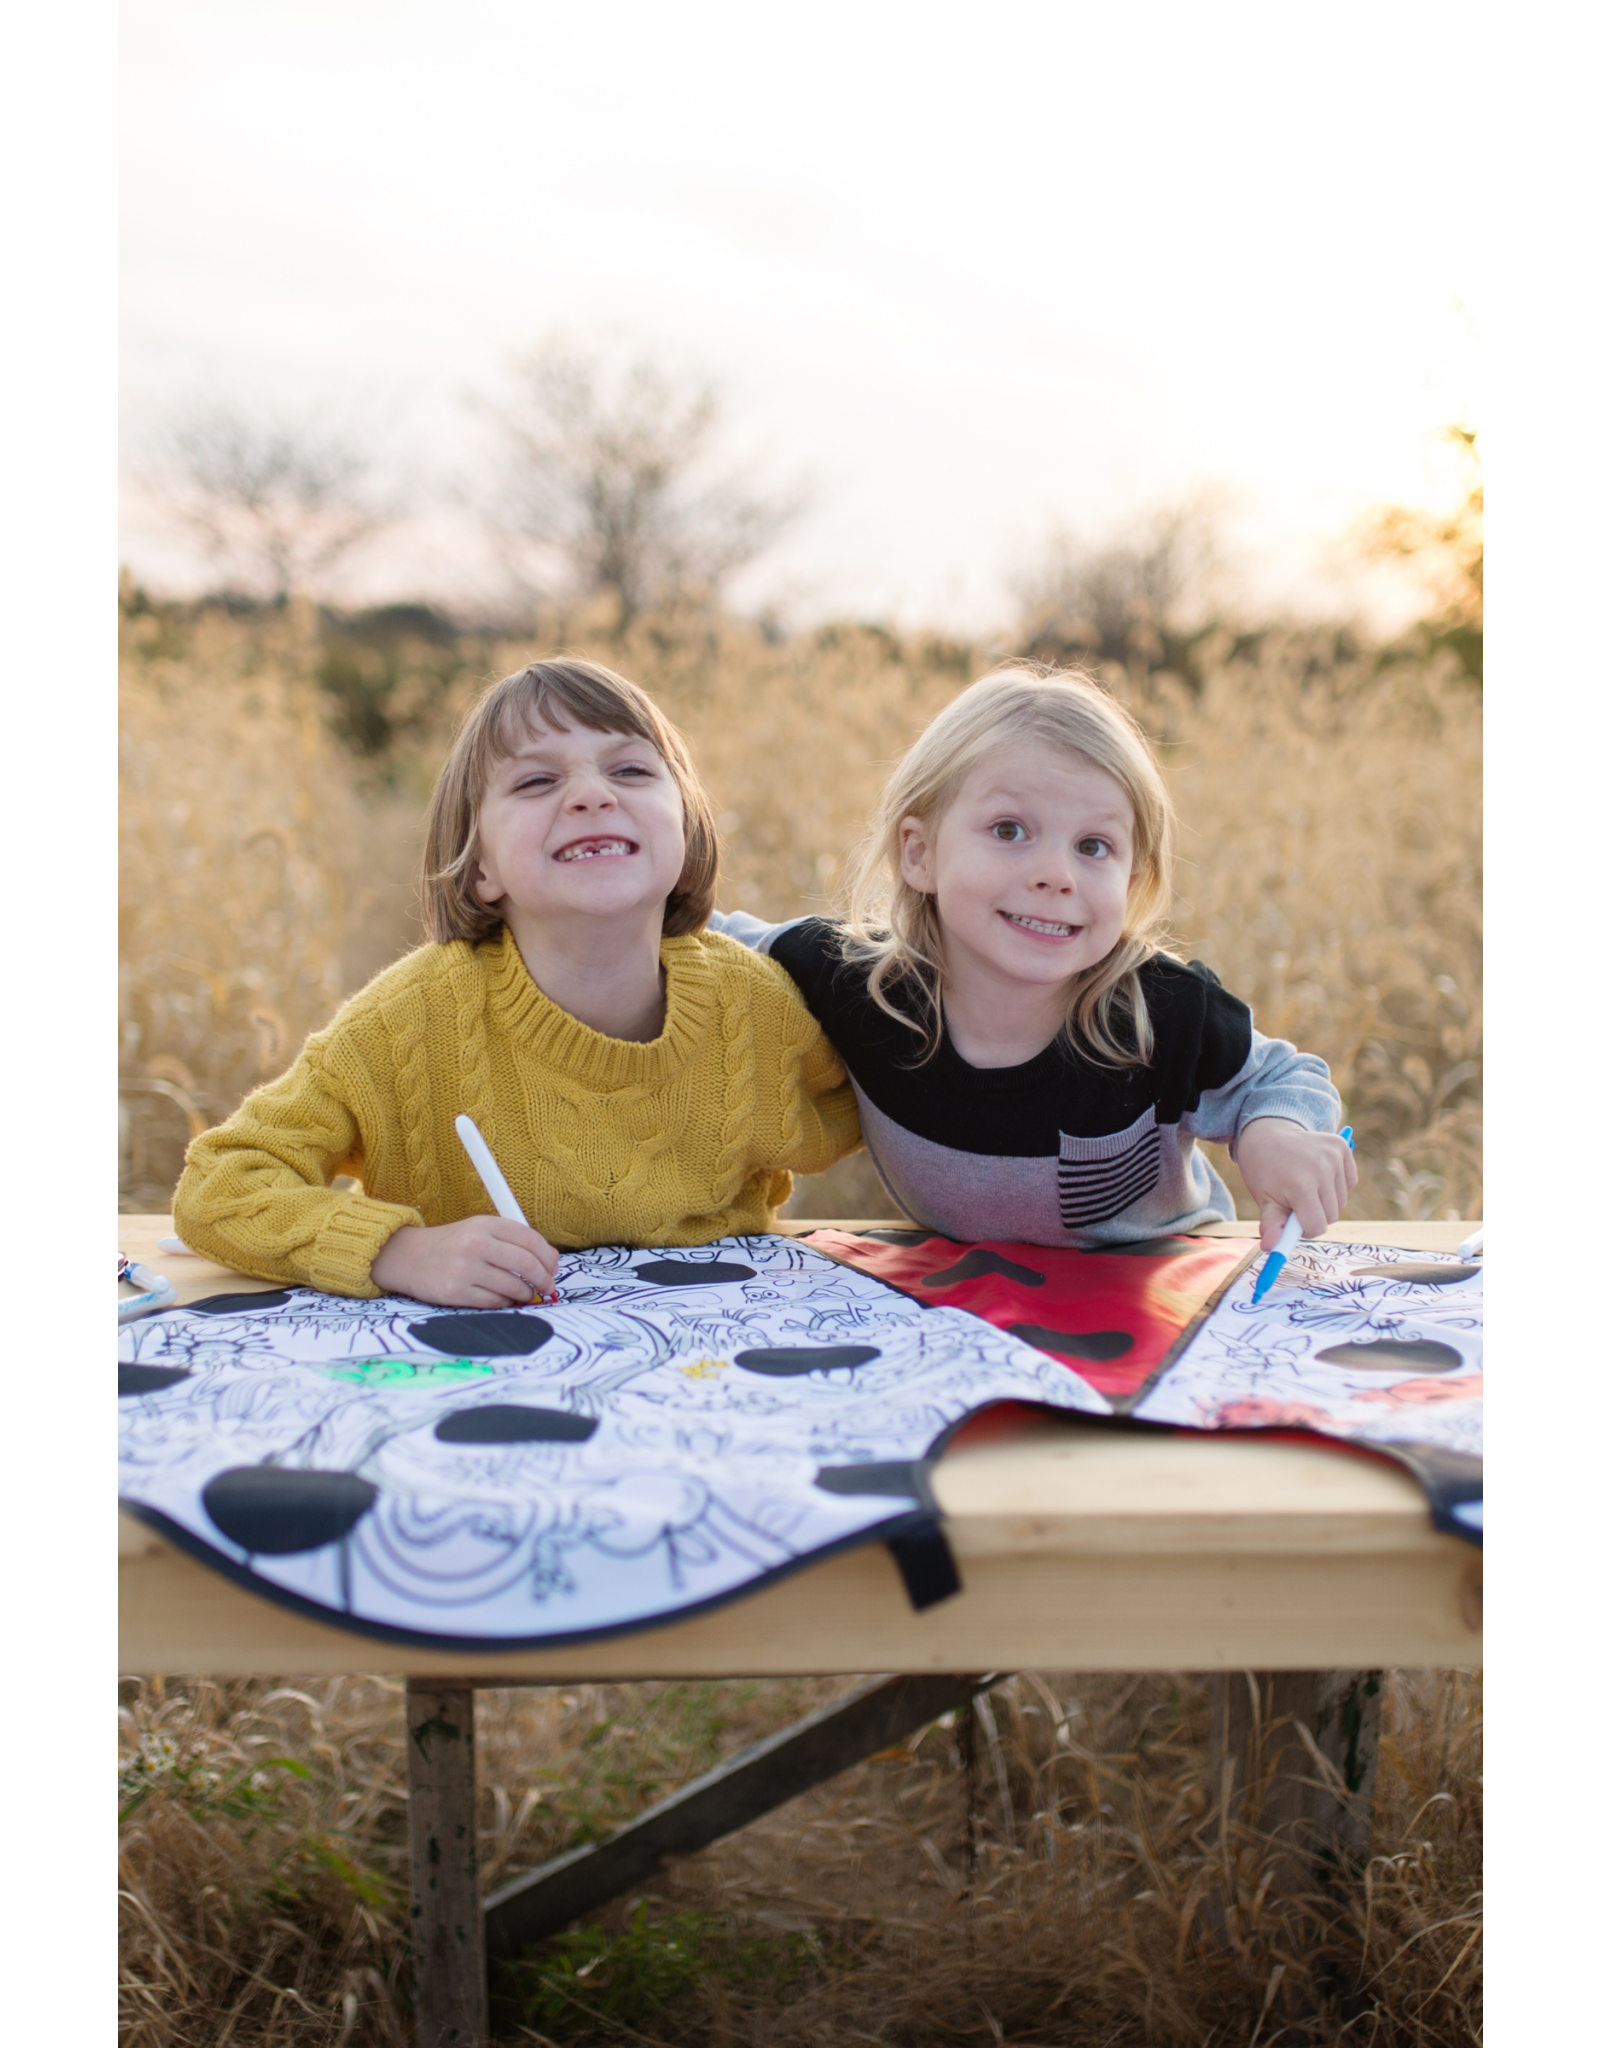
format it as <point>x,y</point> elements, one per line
<point>1079,1548</point>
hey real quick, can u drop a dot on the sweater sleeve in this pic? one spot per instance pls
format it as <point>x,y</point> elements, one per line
<point>834,1129</point>
<point>820,1107</point>
<point>255,1191</point>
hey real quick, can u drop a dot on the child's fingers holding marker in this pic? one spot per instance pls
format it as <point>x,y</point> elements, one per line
<point>1274,1215</point>
<point>516,1254</point>
<point>1290,1169</point>
<point>1335,1168</point>
<point>484,1297</point>
<point>481,1262</point>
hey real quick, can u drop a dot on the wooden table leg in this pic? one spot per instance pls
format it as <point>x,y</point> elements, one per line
<point>446,1928</point>
<point>1263,1773</point>
<point>1316,1800</point>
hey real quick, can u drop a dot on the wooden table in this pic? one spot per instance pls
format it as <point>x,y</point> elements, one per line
<point>1079,1549</point>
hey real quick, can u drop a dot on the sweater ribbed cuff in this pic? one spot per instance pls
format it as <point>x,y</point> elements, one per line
<point>338,1260</point>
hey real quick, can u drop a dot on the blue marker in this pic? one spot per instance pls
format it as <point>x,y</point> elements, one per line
<point>1278,1257</point>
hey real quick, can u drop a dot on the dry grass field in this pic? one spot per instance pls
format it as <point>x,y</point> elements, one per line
<point>1331,851</point>
<point>1071,1887</point>
<point>1331,878</point>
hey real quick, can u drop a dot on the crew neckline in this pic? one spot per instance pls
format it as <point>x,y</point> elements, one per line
<point>563,1041</point>
<point>956,1067</point>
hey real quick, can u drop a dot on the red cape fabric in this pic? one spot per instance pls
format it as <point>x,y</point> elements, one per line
<point>1115,1316</point>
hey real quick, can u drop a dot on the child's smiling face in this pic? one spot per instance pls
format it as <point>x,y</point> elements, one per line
<point>579,824</point>
<point>1030,866</point>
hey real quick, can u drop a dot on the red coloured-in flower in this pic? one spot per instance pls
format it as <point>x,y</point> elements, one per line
<point>1253,1412</point>
<point>1409,1393</point>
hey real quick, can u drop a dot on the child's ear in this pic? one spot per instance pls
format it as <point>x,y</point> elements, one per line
<point>916,855</point>
<point>486,885</point>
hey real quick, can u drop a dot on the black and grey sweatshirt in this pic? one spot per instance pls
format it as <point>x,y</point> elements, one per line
<point>1061,1150</point>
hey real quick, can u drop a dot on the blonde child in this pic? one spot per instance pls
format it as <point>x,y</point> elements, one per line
<point>1028,1062</point>
<point>639,1080</point>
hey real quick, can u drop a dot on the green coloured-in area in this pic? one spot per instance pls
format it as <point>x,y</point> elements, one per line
<point>423,1373</point>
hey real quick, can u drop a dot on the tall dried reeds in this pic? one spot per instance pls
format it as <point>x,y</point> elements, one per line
<point>1333,879</point>
<point>247,869</point>
<point>1062,1877</point>
<point>1331,847</point>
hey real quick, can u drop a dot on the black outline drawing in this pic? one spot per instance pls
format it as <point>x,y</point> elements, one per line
<point>671,1470</point>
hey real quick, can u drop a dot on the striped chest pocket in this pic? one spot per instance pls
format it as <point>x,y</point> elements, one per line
<point>1097,1178</point>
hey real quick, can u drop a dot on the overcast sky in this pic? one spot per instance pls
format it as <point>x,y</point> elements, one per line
<point>971,271</point>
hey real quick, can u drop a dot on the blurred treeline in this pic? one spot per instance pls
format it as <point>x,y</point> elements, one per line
<point>277,755</point>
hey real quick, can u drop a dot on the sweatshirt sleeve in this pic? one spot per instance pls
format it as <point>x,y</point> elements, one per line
<point>255,1191</point>
<point>750,930</point>
<point>1232,1073</point>
<point>1272,1080</point>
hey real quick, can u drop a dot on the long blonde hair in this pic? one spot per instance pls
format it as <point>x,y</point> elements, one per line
<point>558,693</point>
<point>894,928</point>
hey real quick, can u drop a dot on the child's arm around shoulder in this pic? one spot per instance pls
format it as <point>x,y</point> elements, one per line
<point>750,930</point>
<point>1275,1108</point>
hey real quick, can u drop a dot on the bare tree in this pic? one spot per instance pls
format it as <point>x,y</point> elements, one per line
<point>612,465</point>
<point>275,500</point>
<point>1137,598</point>
<point>1446,551</point>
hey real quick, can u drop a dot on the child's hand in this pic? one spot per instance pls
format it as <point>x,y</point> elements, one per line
<point>482,1262</point>
<point>1287,1168</point>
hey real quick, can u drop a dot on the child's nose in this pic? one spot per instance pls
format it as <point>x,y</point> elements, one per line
<point>1059,867</point>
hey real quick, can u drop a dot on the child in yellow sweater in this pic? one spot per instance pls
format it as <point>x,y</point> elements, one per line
<point>639,1079</point>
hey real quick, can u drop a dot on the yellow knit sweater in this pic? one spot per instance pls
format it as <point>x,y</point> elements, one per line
<point>691,1137</point>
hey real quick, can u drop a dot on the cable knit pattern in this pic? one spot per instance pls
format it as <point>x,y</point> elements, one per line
<point>411,1090</point>
<point>472,1040</point>
<point>796,1044</point>
<point>691,1137</point>
<point>738,1074</point>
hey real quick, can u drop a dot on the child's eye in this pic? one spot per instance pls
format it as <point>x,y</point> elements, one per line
<point>1008,829</point>
<point>1096,849</point>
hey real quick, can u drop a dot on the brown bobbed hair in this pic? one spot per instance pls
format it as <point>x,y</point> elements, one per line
<point>556,694</point>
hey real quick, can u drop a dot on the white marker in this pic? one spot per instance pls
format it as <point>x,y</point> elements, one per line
<point>493,1179</point>
<point>1471,1247</point>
